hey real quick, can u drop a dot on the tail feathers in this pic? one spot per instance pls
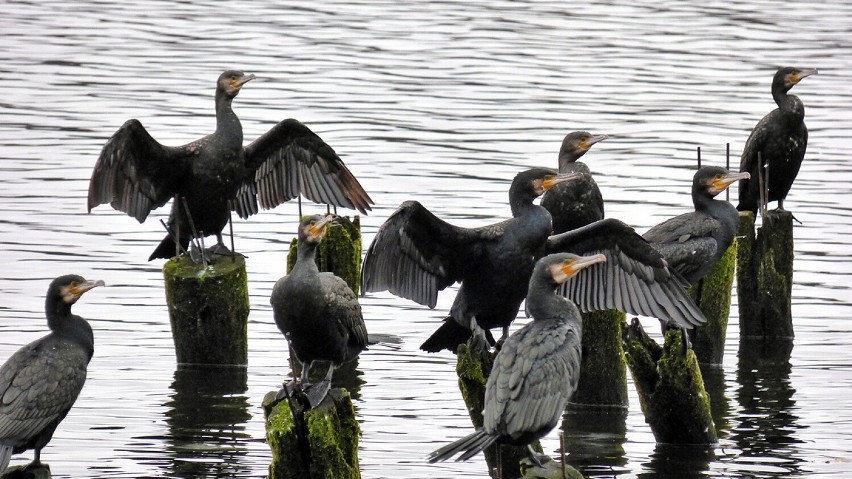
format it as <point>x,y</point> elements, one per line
<point>448,337</point>
<point>166,248</point>
<point>390,341</point>
<point>5,456</point>
<point>472,445</point>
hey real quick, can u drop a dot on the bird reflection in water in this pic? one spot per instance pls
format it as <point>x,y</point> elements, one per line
<point>207,419</point>
<point>593,439</point>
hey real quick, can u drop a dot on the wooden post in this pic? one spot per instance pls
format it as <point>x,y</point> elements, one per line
<point>603,371</point>
<point>670,386</point>
<point>312,443</point>
<point>765,276</point>
<point>208,310</point>
<point>713,295</point>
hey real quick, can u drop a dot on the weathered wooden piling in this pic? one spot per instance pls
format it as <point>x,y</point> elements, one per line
<point>312,443</point>
<point>765,276</point>
<point>670,386</point>
<point>339,252</point>
<point>208,309</point>
<point>24,472</point>
<point>603,371</point>
<point>712,294</point>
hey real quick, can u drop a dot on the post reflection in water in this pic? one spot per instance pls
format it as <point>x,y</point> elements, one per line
<point>207,419</point>
<point>681,461</point>
<point>594,439</point>
<point>720,407</point>
<point>767,425</point>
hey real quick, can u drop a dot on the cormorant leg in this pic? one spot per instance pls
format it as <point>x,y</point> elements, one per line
<point>479,340</point>
<point>306,368</point>
<point>534,456</point>
<point>499,344</point>
<point>220,247</point>
<point>317,392</point>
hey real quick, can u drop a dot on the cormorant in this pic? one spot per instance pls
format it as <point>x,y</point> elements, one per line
<point>41,381</point>
<point>317,312</point>
<point>536,371</point>
<point>216,174</point>
<point>579,202</point>
<point>415,254</point>
<point>692,243</point>
<point>781,139</point>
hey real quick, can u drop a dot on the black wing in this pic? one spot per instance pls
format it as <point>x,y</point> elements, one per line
<point>415,254</point>
<point>135,173</point>
<point>685,242</point>
<point>290,160</point>
<point>635,278</point>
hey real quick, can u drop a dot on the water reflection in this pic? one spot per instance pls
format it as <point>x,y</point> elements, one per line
<point>767,424</point>
<point>207,419</point>
<point>720,407</point>
<point>678,461</point>
<point>594,440</point>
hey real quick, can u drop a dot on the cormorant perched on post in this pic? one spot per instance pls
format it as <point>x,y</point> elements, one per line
<point>41,381</point>
<point>213,175</point>
<point>414,255</point>
<point>579,202</point>
<point>692,243</point>
<point>780,138</point>
<point>536,371</point>
<point>317,312</point>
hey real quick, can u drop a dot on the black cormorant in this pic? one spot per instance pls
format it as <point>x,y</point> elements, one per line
<point>579,202</point>
<point>216,174</point>
<point>692,243</point>
<point>317,312</point>
<point>415,254</point>
<point>41,381</point>
<point>781,139</point>
<point>536,371</point>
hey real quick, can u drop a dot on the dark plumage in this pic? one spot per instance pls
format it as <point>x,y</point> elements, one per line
<point>317,312</point>
<point>579,202</point>
<point>216,174</point>
<point>536,371</point>
<point>692,243</point>
<point>41,381</point>
<point>780,138</point>
<point>415,255</point>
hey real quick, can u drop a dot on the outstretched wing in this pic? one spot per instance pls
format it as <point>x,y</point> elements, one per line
<point>635,278</point>
<point>38,386</point>
<point>290,160</point>
<point>415,254</point>
<point>135,174</point>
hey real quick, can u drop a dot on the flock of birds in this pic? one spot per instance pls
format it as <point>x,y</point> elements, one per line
<point>562,257</point>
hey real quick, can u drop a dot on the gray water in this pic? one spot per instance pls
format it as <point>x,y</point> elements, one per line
<point>441,102</point>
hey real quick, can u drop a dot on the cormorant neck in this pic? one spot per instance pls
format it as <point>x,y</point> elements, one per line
<point>567,158</point>
<point>702,201</point>
<point>543,302</point>
<point>790,103</point>
<point>67,325</point>
<point>227,123</point>
<point>520,203</point>
<point>305,255</point>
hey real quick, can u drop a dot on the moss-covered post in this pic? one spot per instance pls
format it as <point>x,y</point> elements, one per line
<point>24,472</point>
<point>603,371</point>
<point>312,443</point>
<point>713,295</point>
<point>670,386</point>
<point>208,310</point>
<point>765,276</point>
<point>339,252</point>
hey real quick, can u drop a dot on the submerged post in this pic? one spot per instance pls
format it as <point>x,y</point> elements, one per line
<point>208,310</point>
<point>765,276</point>
<point>603,371</point>
<point>312,443</point>
<point>712,294</point>
<point>670,386</point>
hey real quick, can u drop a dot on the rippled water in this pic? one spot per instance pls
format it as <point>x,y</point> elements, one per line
<point>438,101</point>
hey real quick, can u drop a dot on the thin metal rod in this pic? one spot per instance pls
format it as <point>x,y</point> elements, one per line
<point>699,157</point>
<point>203,253</point>
<point>728,167</point>
<point>192,226</point>
<point>178,248</point>
<point>231,229</point>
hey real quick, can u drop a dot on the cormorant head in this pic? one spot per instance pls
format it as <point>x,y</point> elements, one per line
<point>231,81</point>
<point>313,228</point>
<point>532,183</point>
<point>559,267</point>
<point>576,144</point>
<point>787,77</point>
<point>70,287</point>
<point>712,180</point>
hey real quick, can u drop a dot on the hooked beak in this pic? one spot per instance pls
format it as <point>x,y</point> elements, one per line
<point>238,83</point>
<point>319,228</point>
<point>73,292</point>
<point>802,74</point>
<point>591,141</point>
<point>721,184</point>
<point>551,181</point>
<point>568,268</point>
